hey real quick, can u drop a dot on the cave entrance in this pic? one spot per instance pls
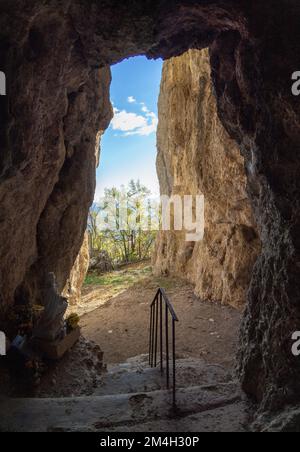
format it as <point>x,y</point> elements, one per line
<point>194,156</point>
<point>47,163</point>
<point>127,169</point>
<point>121,249</point>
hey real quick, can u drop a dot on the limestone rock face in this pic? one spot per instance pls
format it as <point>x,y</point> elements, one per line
<point>54,55</point>
<point>58,105</point>
<point>196,156</point>
<point>76,279</point>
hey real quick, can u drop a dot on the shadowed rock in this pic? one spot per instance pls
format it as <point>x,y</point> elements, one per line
<point>54,55</point>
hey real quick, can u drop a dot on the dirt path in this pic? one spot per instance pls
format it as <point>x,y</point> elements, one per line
<point>120,326</point>
<point>99,289</point>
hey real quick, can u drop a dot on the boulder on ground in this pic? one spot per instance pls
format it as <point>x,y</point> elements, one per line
<point>101,261</point>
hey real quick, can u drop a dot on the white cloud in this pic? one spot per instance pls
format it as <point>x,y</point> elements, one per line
<point>149,128</point>
<point>126,122</point>
<point>131,100</point>
<point>134,124</point>
<point>145,109</point>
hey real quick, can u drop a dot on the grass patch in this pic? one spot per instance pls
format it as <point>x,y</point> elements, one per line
<point>118,278</point>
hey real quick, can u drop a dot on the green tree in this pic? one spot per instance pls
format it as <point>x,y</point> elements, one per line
<point>129,210</point>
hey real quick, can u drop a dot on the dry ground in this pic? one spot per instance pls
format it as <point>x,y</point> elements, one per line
<point>120,325</point>
<point>119,328</point>
<point>99,289</point>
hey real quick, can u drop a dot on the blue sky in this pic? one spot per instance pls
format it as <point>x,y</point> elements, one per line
<point>128,148</point>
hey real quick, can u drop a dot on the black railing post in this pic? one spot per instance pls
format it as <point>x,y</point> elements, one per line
<point>150,334</point>
<point>174,362</point>
<point>156,316</point>
<point>153,335</point>
<point>167,348</point>
<point>161,334</point>
<point>156,331</point>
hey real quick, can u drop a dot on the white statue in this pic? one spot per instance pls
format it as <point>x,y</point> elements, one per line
<point>51,323</point>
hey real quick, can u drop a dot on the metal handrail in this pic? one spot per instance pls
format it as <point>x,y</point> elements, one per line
<point>156,320</point>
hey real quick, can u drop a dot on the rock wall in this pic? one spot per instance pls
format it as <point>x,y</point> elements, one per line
<point>57,100</point>
<point>197,156</point>
<point>73,287</point>
<point>57,105</point>
<point>72,290</point>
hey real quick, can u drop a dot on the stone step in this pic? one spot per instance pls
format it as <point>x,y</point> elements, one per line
<point>136,376</point>
<point>217,408</point>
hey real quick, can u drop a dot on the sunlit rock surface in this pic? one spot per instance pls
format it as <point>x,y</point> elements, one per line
<point>72,290</point>
<point>196,156</point>
<point>57,101</point>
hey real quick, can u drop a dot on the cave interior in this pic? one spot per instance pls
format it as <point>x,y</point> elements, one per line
<point>53,53</point>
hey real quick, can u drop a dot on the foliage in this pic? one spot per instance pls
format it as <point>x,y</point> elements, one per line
<point>72,322</point>
<point>131,238</point>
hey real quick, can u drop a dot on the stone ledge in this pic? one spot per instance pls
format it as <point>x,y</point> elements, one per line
<point>57,349</point>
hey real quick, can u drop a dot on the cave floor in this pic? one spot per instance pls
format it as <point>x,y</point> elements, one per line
<point>79,395</point>
<point>132,398</point>
<point>119,326</point>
